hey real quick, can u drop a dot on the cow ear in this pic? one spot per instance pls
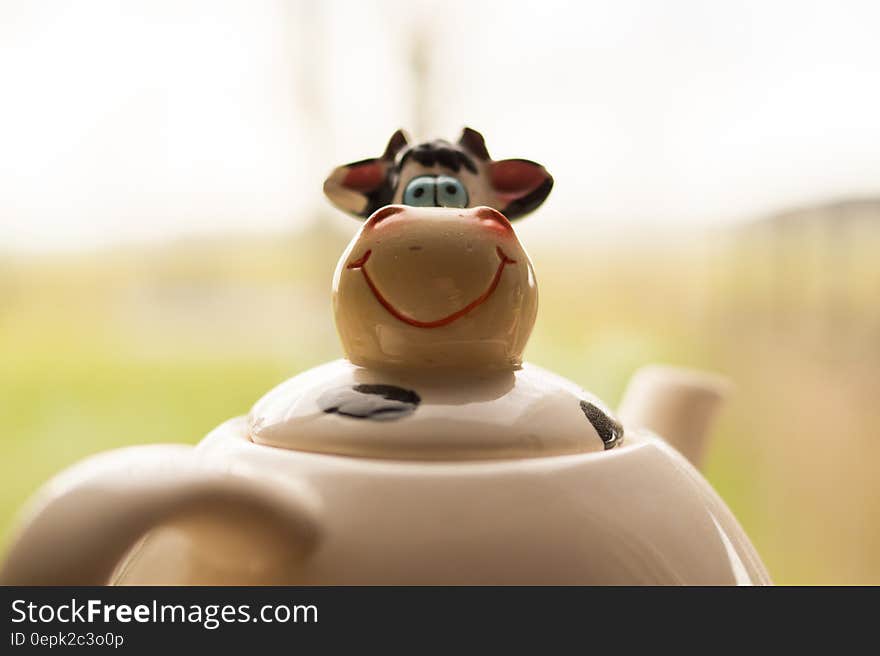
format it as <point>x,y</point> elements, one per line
<point>360,188</point>
<point>520,186</point>
<point>357,187</point>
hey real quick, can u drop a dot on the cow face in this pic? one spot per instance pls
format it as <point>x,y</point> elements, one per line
<point>439,174</point>
<point>435,288</point>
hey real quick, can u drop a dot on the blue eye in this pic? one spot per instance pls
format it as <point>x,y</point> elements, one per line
<point>420,192</point>
<point>450,192</point>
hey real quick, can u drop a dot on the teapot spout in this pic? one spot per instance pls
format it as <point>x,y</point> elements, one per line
<point>680,405</point>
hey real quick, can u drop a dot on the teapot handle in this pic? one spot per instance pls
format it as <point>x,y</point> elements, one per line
<point>82,522</point>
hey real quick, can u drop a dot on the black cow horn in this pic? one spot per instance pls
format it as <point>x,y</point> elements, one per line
<point>397,141</point>
<point>474,142</point>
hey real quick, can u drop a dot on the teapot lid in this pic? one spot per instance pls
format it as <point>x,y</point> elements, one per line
<point>342,409</point>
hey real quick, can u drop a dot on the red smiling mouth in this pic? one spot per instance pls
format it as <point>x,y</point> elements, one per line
<point>444,321</point>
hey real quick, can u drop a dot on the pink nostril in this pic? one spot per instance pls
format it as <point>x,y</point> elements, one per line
<point>493,218</point>
<point>383,213</point>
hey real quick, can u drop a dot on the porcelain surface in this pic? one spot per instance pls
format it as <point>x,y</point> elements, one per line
<point>638,514</point>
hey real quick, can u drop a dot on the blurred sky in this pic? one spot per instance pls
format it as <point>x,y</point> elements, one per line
<point>149,119</point>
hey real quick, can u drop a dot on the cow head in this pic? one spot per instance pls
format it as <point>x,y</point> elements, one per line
<point>436,278</point>
<point>439,174</point>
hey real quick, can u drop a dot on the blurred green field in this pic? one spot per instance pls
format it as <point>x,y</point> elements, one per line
<point>162,343</point>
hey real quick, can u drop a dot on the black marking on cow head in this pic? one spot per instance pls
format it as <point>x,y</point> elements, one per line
<point>439,152</point>
<point>609,429</point>
<point>370,401</point>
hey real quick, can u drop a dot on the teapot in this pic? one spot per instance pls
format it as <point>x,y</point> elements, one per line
<point>430,454</point>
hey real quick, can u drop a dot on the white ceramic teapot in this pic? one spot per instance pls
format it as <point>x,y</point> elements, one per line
<point>431,454</point>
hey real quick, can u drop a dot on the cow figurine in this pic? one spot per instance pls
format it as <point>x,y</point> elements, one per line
<point>430,455</point>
